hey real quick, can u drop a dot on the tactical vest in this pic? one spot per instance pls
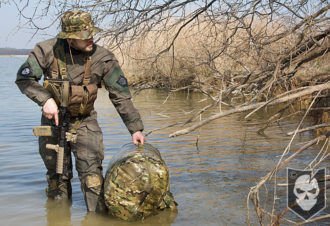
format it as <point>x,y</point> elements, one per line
<point>82,97</point>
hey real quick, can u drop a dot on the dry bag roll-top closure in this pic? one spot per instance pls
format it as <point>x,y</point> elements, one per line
<point>82,97</point>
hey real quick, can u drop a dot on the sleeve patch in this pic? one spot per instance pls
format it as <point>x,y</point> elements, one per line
<point>122,81</point>
<point>26,71</point>
<point>117,81</point>
<point>29,70</point>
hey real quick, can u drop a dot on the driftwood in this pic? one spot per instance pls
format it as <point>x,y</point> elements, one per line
<point>274,101</point>
<point>310,128</point>
<point>276,118</point>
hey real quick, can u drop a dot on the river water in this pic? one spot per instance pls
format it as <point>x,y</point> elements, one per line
<point>210,183</point>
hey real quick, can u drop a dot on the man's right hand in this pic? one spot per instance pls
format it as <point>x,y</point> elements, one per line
<point>50,110</point>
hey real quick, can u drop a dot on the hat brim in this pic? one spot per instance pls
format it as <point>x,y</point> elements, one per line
<point>82,35</point>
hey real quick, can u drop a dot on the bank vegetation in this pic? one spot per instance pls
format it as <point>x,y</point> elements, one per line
<point>242,55</point>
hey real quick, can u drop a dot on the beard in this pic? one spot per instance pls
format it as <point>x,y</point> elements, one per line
<point>83,47</point>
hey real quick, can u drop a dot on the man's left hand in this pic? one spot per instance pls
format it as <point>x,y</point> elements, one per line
<point>138,136</point>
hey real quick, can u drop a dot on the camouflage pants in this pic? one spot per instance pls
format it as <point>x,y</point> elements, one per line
<point>88,152</point>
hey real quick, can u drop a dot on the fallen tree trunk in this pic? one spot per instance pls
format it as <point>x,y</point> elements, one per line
<point>309,128</point>
<point>306,91</point>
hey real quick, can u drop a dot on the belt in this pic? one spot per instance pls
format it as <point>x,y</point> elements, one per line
<point>79,117</point>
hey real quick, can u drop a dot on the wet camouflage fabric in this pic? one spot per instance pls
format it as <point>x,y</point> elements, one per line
<point>137,183</point>
<point>59,189</point>
<point>88,152</point>
<point>77,25</point>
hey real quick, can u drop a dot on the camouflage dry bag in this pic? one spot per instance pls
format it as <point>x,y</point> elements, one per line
<point>137,183</point>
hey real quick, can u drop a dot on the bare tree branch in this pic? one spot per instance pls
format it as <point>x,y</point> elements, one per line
<point>307,91</point>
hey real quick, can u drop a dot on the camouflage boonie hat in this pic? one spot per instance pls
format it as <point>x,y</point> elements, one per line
<point>77,25</point>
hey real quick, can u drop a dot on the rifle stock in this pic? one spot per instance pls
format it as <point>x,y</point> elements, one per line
<point>42,131</point>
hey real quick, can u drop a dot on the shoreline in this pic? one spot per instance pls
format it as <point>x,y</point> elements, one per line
<point>13,55</point>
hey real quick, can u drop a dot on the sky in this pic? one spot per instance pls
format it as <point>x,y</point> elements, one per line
<point>11,37</point>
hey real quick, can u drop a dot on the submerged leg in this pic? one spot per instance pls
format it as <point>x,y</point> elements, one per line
<point>59,186</point>
<point>89,153</point>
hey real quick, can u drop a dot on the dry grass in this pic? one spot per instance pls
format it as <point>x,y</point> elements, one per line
<point>202,56</point>
<point>213,62</point>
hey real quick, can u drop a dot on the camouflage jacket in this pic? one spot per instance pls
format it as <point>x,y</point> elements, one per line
<point>104,67</point>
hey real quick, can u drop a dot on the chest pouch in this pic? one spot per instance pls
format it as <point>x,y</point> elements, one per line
<point>81,100</point>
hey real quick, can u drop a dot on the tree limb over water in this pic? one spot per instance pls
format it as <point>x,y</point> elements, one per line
<point>260,52</point>
<point>306,91</point>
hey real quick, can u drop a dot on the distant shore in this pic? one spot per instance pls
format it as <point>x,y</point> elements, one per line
<point>14,52</point>
<point>13,55</point>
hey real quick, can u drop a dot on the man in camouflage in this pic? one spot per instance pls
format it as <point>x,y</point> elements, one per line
<point>73,56</point>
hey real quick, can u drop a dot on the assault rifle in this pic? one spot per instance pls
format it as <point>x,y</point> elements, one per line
<point>60,90</point>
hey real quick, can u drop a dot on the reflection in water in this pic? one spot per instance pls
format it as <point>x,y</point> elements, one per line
<point>164,218</point>
<point>210,183</point>
<point>58,213</point>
